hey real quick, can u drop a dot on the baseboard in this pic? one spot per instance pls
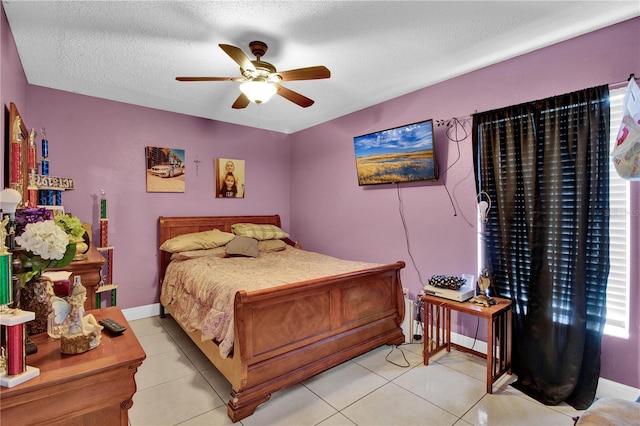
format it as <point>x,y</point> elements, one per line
<point>468,342</point>
<point>460,339</point>
<point>140,312</point>
<point>608,387</point>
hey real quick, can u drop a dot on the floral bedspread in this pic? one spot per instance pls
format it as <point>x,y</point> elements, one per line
<point>202,290</point>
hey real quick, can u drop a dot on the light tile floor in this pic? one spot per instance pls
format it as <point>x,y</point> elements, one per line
<point>178,386</point>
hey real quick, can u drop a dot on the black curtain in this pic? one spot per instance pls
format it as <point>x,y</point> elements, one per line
<point>545,165</point>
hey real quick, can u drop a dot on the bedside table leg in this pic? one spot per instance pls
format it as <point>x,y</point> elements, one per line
<point>491,360</point>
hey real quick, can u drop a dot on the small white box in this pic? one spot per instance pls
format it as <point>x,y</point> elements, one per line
<point>464,293</point>
<point>470,282</point>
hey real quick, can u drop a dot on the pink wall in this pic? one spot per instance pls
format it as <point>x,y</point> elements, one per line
<point>332,214</point>
<point>13,83</point>
<point>309,177</point>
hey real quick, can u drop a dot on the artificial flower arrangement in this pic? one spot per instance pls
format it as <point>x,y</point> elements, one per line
<point>46,242</point>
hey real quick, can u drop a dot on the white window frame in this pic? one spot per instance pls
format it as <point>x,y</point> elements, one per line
<point>618,285</point>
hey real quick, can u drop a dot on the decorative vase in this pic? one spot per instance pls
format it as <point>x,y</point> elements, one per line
<point>34,298</point>
<point>82,247</point>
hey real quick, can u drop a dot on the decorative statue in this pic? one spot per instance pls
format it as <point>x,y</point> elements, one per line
<point>17,131</point>
<point>80,332</point>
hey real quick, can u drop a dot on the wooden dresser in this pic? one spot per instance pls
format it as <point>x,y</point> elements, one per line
<point>89,272</point>
<point>92,388</point>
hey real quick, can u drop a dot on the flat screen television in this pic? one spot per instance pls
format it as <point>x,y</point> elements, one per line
<point>401,154</point>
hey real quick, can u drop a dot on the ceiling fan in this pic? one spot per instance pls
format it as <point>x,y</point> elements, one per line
<point>260,80</point>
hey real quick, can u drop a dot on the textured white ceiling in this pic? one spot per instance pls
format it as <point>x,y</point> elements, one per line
<point>131,51</point>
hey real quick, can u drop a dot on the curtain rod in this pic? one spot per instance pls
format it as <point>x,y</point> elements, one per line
<point>617,85</point>
<point>620,84</point>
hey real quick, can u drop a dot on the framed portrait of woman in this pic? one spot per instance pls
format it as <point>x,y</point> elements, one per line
<point>229,178</point>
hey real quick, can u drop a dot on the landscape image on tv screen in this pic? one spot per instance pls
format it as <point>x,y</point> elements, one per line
<point>401,154</point>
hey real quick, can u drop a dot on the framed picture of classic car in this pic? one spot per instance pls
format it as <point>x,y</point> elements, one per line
<point>165,169</point>
<point>229,178</point>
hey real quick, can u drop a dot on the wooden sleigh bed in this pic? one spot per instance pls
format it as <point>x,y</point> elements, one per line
<point>328,321</point>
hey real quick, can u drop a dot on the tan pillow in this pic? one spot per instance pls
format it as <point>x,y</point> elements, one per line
<point>259,232</point>
<point>197,241</point>
<point>243,246</point>
<point>268,246</point>
<point>192,254</point>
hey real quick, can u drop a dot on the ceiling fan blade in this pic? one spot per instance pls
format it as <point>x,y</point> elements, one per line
<point>239,56</point>
<point>294,97</point>
<point>208,79</point>
<point>241,102</point>
<point>309,73</point>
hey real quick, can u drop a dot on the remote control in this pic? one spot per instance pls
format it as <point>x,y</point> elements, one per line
<point>30,346</point>
<point>112,327</point>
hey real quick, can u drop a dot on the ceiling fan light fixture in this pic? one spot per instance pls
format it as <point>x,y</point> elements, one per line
<point>260,80</point>
<point>258,92</point>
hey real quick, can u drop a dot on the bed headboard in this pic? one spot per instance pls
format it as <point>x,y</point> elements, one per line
<point>170,227</point>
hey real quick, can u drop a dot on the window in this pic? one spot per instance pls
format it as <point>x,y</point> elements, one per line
<point>617,323</point>
<point>546,164</point>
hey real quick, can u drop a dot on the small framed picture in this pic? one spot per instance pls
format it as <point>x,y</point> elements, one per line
<point>229,178</point>
<point>165,169</point>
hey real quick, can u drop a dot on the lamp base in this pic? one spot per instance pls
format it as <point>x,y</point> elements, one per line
<point>483,300</point>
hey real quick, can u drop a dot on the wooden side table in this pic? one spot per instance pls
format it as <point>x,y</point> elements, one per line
<point>92,388</point>
<point>89,271</point>
<point>437,318</point>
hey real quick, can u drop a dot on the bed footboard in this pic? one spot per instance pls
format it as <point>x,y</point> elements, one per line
<point>289,333</point>
<point>298,331</point>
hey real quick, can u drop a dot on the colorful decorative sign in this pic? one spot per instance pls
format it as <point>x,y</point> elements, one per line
<point>51,182</point>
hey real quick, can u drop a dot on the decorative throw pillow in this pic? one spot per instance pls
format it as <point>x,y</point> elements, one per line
<point>197,241</point>
<point>243,246</point>
<point>192,254</point>
<point>268,246</point>
<point>453,283</point>
<point>258,231</point>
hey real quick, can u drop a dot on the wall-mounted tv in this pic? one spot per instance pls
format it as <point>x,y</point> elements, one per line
<point>400,154</point>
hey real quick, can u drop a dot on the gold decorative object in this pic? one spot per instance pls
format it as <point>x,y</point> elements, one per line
<point>80,332</point>
<point>484,282</point>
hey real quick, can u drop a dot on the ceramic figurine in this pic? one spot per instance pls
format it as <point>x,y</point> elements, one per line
<point>81,332</point>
